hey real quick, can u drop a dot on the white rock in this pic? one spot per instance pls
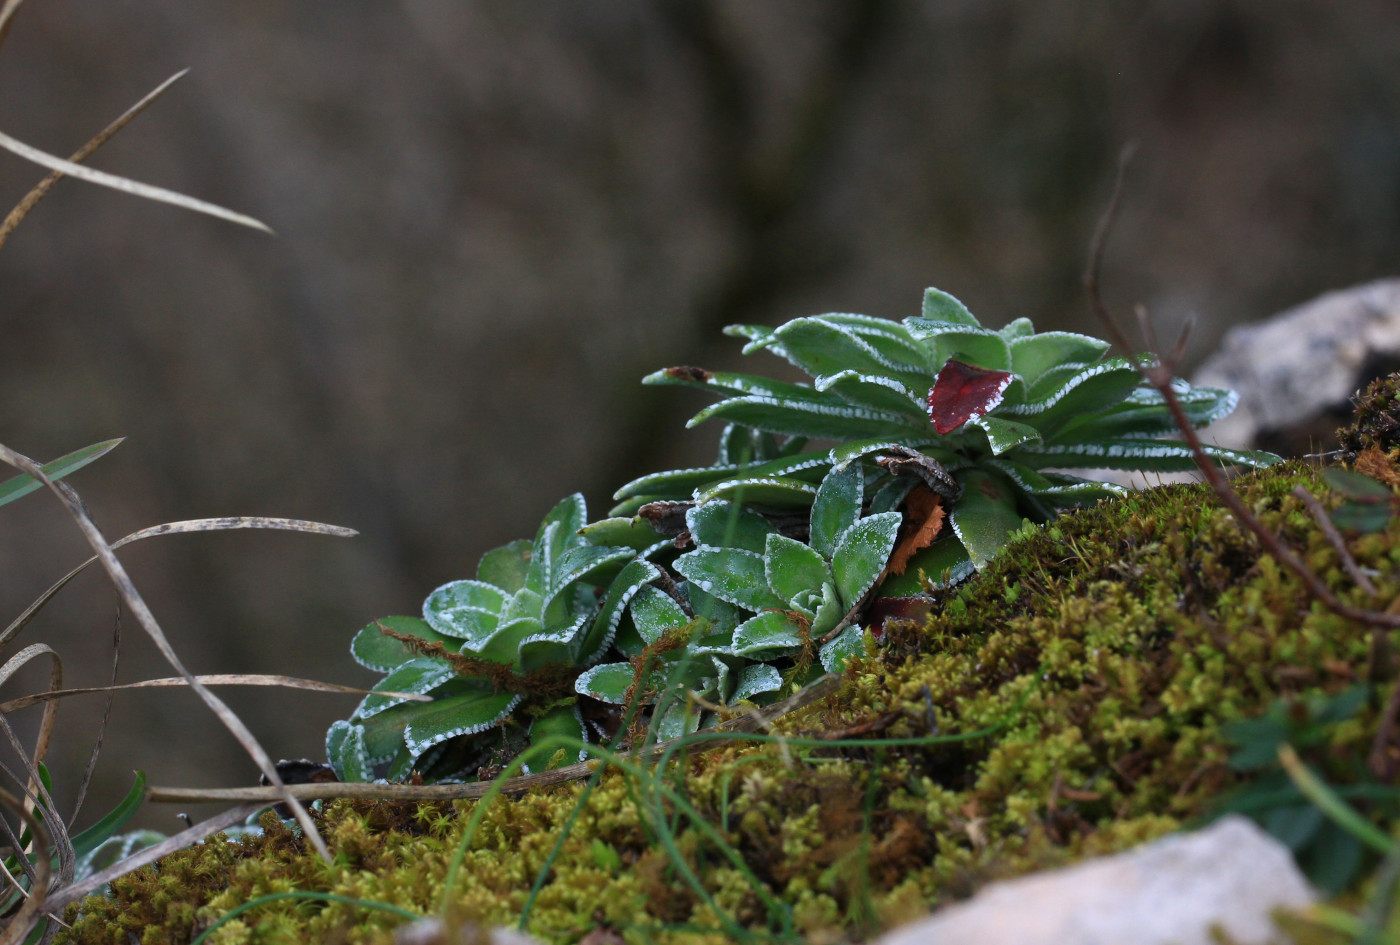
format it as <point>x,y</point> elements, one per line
<point>1170,892</point>
<point>1293,366</point>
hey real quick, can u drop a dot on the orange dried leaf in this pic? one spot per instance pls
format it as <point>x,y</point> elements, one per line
<point>923,520</point>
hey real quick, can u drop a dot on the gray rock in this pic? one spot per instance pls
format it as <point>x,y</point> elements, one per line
<point>1170,892</point>
<point>1305,361</point>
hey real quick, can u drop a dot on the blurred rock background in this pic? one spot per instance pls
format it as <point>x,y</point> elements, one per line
<point>494,217</point>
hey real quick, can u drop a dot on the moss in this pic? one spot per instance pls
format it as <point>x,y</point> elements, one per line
<point>1376,423</point>
<point>1137,629</point>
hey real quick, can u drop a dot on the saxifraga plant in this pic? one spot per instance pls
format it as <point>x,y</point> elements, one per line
<point>734,582</point>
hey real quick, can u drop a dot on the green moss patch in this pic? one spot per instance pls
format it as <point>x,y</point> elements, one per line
<point>1099,658</point>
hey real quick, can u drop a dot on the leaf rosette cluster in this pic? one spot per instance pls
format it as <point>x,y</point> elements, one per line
<point>729,583</point>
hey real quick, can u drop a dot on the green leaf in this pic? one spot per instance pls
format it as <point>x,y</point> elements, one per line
<point>587,564</point>
<point>720,615</point>
<point>1059,491</point>
<point>418,676</point>
<point>550,645</point>
<point>86,841</point>
<point>22,485</point>
<point>680,718</point>
<point>562,720</point>
<point>848,643</point>
<point>846,453</point>
<point>606,682</point>
<point>773,492</point>
<point>1033,355</point>
<point>730,574</point>
<point>505,567</point>
<point>1093,389</point>
<point>755,679</point>
<point>861,554</point>
<point>793,568</point>
<point>878,393</point>
<point>728,383</point>
<point>1005,435</point>
<point>724,524</point>
<point>654,613</point>
<point>427,724</point>
<point>836,507</point>
<point>345,749</point>
<point>977,346</point>
<point>467,610</point>
<point>827,419</point>
<point>823,348</point>
<point>1144,413</point>
<point>630,581</point>
<point>926,569</point>
<point>889,338</point>
<point>939,306</point>
<point>1355,485</point>
<point>622,531</point>
<point>985,515</point>
<point>503,646</point>
<point>830,610</point>
<point>374,650</point>
<point>1017,328</point>
<point>768,636</point>
<point>684,482</point>
<point>1144,454</point>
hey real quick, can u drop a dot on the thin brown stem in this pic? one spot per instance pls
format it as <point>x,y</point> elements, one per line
<point>1334,538</point>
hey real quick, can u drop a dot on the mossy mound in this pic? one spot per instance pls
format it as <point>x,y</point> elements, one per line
<point>1376,423</point>
<point>1098,658</point>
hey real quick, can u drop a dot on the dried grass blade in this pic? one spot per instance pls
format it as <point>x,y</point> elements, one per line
<point>42,188</point>
<point>124,184</point>
<point>227,523</point>
<point>70,894</point>
<point>6,12</point>
<point>41,741</point>
<point>211,679</point>
<point>24,920</point>
<point>137,604</point>
<point>102,725</point>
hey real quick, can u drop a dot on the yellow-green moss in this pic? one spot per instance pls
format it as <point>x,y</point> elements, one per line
<point>1107,651</point>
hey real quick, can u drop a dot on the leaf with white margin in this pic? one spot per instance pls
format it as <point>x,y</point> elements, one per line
<point>723,524</point>
<point>984,515</point>
<point>869,390</point>
<point>1141,454</point>
<point>654,613</point>
<point>418,676</point>
<point>861,555</point>
<point>755,680</point>
<point>563,720</point>
<point>1017,328</point>
<point>890,338</point>
<point>1033,355</point>
<point>682,717</point>
<point>504,645</point>
<point>793,568</point>
<point>380,652</point>
<point>836,507</point>
<point>822,348</point>
<point>829,611</point>
<point>608,682</point>
<point>450,716</point>
<point>466,610</point>
<point>845,454</point>
<point>630,581</point>
<point>730,574</point>
<point>848,643</point>
<point>721,615</point>
<point>1093,389</point>
<point>554,645</point>
<point>1005,435</point>
<point>939,306</point>
<point>771,491</point>
<point>505,567</point>
<point>345,749</point>
<point>829,419</point>
<point>768,636</point>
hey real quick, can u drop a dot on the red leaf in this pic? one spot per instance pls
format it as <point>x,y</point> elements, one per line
<point>963,391</point>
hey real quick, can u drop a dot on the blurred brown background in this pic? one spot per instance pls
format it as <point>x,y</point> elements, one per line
<point>494,217</point>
